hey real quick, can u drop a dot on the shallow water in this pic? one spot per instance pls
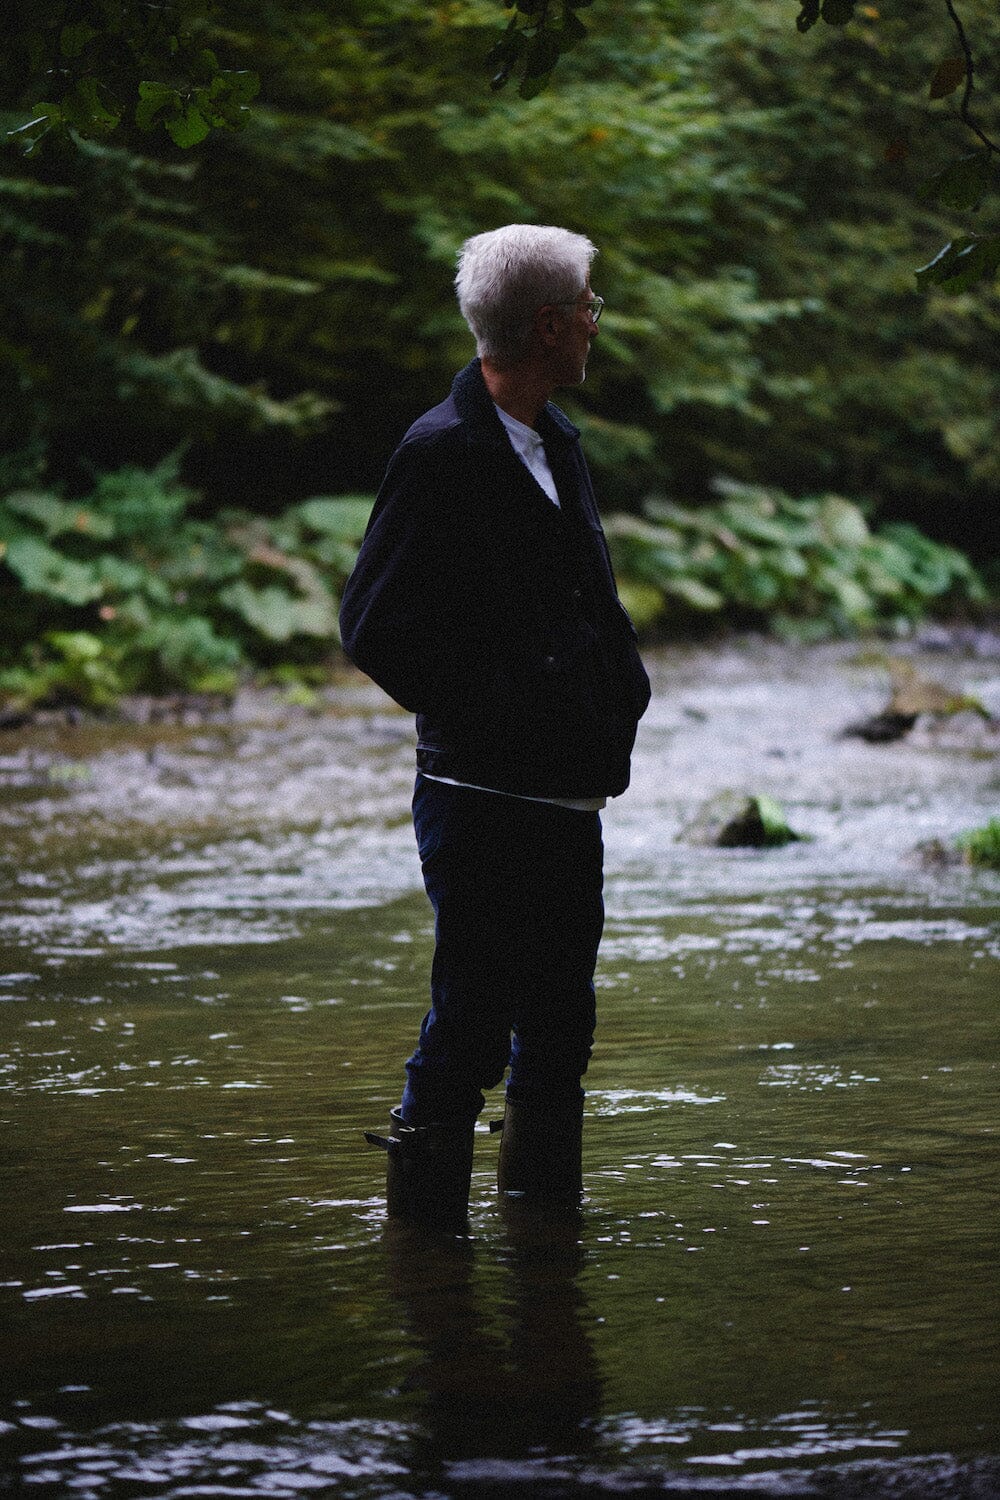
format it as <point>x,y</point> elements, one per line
<point>214,950</point>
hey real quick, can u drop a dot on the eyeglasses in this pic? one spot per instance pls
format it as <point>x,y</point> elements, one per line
<point>595,306</point>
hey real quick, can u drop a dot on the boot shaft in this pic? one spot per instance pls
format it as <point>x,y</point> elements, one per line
<point>541,1152</point>
<point>428,1172</point>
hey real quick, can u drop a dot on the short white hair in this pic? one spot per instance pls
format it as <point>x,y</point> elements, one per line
<point>506,275</point>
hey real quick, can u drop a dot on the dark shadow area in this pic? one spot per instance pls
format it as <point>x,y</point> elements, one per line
<point>501,1383</point>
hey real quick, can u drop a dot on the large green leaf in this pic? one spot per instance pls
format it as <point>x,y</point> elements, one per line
<point>694,594</point>
<point>123,577</point>
<point>762,524</point>
<point>643,601</point>
<point>155,100</point>
<point>60,516</point>
<point>343,517</point>
<point>278,615</point>
<point>43,570</point>
<point>340,556</point>
<point>962,184</point>
<point>789,563</point>
<point>143,503</point>
<point>855,601</point>
<point>188,651</point>
<point>188,127</point>
<point>842,522</point>
<point>91,108</point>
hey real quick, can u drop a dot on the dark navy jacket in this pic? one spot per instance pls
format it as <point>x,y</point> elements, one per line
<point>491,613</point>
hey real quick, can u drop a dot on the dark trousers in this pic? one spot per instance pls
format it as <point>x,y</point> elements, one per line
<point>516,888</point>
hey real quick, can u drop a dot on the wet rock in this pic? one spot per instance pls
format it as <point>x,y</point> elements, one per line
<point>915,694</point>
<point>912,695</point>
<point>935,854</point>
<point>733,820</point>
<point>880,729</point>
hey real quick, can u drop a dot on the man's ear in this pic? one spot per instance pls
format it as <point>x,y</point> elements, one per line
<point>546,325</point>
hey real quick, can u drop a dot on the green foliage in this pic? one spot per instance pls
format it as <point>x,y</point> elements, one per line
<point>963,263</point>
<point>279,300</point>
<point>538,33</point>
<point>833,12</point>
<point>66,666</point>
<point>128,588</point>
<point>809,567</point>
<point>981,846</point>
<point>95,68</point>
<point>961,185</point>
<point>125,589</point>
<point>107,69</point>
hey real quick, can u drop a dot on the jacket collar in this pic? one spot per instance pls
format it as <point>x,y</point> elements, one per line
<point>475,408</point>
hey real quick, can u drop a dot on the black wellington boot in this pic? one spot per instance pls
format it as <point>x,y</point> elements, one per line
<point>541,1152</point>
<point>428,1173</point>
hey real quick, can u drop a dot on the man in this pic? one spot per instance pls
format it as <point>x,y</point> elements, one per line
<point>483,600</point>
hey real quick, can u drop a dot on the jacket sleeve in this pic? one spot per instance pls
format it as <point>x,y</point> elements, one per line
<point>409,615</point>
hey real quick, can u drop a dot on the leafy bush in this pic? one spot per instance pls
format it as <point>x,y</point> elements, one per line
<point>981,846</point>
<point>126,589</point>
<point>129,589</point>
<point>756,251</point>
<point>808,567</point>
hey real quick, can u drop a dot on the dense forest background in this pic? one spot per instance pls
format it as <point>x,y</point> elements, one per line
<point>253,322</point>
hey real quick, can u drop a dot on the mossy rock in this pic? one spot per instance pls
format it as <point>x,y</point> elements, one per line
<point>733,820</point>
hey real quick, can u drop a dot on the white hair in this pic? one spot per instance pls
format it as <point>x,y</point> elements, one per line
<point>505,275</point>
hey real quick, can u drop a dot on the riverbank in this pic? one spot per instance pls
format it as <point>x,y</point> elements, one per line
<point>255,702</point>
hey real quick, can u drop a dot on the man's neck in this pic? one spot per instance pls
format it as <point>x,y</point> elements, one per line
<point>521,391</point>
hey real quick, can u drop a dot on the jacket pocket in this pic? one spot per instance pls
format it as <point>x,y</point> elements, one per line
<point>547,699</point>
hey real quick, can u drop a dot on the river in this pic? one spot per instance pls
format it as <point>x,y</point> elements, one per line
<point>784,1278</point>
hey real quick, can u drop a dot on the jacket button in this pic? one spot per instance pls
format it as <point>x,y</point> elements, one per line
<point>578,593</point>
<point>549,662</point>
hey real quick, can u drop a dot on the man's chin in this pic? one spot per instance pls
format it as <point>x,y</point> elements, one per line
<point>577,378</point>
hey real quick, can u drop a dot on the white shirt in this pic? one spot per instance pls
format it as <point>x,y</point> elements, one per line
<point>530,449</point>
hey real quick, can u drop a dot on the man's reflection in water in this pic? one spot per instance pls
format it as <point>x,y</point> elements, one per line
<point>508,1377</point>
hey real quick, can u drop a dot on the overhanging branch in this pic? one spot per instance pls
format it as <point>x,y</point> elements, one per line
<point>964,110</point>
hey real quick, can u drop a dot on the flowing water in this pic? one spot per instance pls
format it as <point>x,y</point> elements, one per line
<point>784,1279</point>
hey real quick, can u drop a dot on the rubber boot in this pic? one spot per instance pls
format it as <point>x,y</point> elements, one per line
<point>541,1152</point>
<point>428,1172</point>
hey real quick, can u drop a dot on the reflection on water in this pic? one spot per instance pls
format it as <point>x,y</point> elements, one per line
<point>505,1370</point>
<point>783,1280</point>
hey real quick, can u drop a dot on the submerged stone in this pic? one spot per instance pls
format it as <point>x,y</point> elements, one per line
<point>733,820</point>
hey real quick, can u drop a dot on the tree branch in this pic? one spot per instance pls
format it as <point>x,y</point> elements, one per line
<point>964,110</point>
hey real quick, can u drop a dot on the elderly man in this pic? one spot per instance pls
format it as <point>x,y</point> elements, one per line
<point>483,601</point>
